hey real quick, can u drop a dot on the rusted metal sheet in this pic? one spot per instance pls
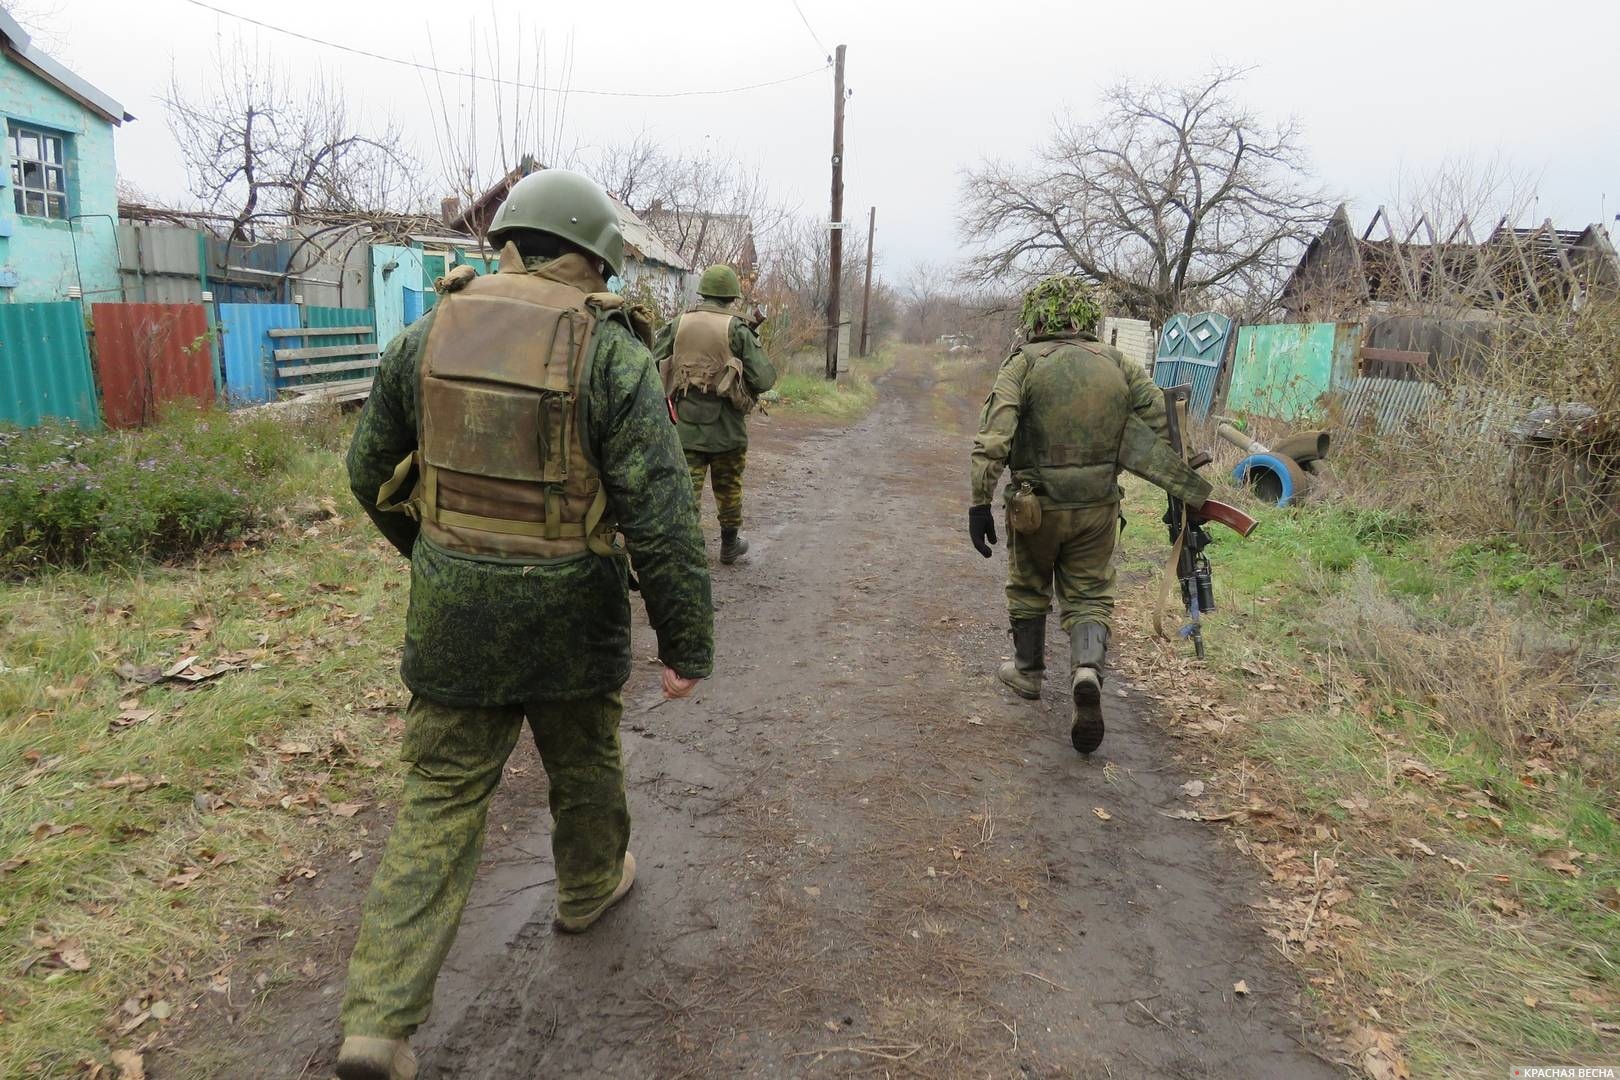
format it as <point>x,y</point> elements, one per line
<point>45,365</point>
<point>148,355</point>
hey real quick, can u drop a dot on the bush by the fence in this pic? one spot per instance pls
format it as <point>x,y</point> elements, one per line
<point>71,498</point>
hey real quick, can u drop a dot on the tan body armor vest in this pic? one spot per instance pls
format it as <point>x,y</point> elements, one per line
<point>702,359</point>
<point>501,460</point>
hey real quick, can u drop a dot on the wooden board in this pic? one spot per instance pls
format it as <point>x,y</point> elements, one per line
<point>342,390</point>
<point>318,331</point>
<point>1394,364</point>
<point>321,352</point>
<point>293,371</point>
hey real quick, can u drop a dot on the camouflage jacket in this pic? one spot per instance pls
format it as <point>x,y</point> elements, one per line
<point>489,632</point>
<point>709,424</point>
<point>1055,414</point>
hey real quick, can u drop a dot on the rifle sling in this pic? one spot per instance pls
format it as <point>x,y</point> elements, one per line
<point>1171,574</point>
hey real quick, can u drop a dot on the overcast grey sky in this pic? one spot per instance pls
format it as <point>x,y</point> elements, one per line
<point>1380,87</point>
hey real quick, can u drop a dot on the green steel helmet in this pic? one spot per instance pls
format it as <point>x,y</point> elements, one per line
<point>1058,303</point>
<point>564,204</point>
<point>720,281</point>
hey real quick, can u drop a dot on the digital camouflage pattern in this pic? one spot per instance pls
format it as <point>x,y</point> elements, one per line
<point>1060,305</point>
<point>708,423</point>
<point>456,755</point>
<point>493,632</point>
<point>1071,554</point>
<point>1056,414</point>
<point>726,475</point>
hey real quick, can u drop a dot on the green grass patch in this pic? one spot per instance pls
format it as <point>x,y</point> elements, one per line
<point>155,813</point>
<point>802,387</point>
<point>72,498</point>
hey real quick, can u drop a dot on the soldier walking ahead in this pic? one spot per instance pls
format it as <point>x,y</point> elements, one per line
<point>714,369</point>
<point>1067,413</point>
<point>533,423</point>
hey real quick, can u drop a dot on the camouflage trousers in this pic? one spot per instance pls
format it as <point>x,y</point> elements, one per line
<point>726,475</point>
<point>456,755</point>
<point>1073,551</point>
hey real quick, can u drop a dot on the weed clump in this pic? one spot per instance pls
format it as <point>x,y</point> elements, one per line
<point>76,498</point>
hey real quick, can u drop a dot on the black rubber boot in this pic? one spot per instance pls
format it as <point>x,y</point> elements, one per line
<point>1088,648</point>
<point>1027,668</point>
<point>732,546</point>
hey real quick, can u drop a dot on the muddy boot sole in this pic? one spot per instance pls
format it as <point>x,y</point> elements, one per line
<point>366,1058</point>
<point>578,924</point>
<point>1015,680</point>
<point>1087,732</point>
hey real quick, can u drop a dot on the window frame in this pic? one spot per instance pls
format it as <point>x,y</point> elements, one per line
<point>48,203</point>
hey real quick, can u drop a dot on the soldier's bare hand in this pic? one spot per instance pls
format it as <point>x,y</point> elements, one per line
<point>677,687</point>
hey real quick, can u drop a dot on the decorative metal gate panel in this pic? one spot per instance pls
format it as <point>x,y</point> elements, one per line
<point>1191,351</point>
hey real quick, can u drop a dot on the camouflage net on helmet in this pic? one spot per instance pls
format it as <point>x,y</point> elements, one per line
<point>1059,303</point>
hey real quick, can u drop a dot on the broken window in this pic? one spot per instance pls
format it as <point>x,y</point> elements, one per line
<point>38,173</point>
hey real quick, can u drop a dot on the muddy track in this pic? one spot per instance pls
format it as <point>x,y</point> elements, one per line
<point>859,855</point>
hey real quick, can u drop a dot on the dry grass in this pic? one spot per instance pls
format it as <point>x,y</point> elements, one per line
<point>150,828</point>
<point>1416,736</point>
<point>1463,467</point>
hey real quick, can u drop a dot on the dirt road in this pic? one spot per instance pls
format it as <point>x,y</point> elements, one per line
<point>859,854</point>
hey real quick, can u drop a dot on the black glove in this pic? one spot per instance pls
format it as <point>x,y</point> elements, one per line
<point>982,528</point>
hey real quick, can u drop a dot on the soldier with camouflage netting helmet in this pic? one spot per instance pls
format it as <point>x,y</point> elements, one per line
<point>1056,417</point>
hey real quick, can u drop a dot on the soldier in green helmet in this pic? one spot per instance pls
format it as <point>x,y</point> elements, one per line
<point>1066,414</point>
<point>714,368</point>
<point>517,448</point>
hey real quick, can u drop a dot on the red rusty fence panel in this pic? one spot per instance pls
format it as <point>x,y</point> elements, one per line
<point>148,355</point>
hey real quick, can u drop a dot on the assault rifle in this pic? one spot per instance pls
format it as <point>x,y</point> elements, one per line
<point>1188,561</point>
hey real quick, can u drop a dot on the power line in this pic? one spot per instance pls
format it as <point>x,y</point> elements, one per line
<point>813,35</point>
<point>499,81</point>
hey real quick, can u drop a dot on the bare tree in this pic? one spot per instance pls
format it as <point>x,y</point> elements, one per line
<point>267,154</point>
<point>792,283</point>
<point>1175,195</point>
<point>43,19</point>
<point>505,113</point>
<point>927,304</point>
<point>708,207</point>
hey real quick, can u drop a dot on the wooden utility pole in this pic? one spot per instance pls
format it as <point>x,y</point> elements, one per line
<point>866,291</point>
<point>836,223</point>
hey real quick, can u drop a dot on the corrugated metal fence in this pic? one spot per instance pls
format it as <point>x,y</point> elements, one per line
<point>251,370</point>
<point>148,355</point>
<point>45,365</point>
<point>250,363</point>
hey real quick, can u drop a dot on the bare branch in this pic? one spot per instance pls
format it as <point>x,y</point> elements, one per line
<point>1176,197</point>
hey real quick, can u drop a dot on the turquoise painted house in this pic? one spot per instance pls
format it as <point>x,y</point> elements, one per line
<point>59,209</point>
